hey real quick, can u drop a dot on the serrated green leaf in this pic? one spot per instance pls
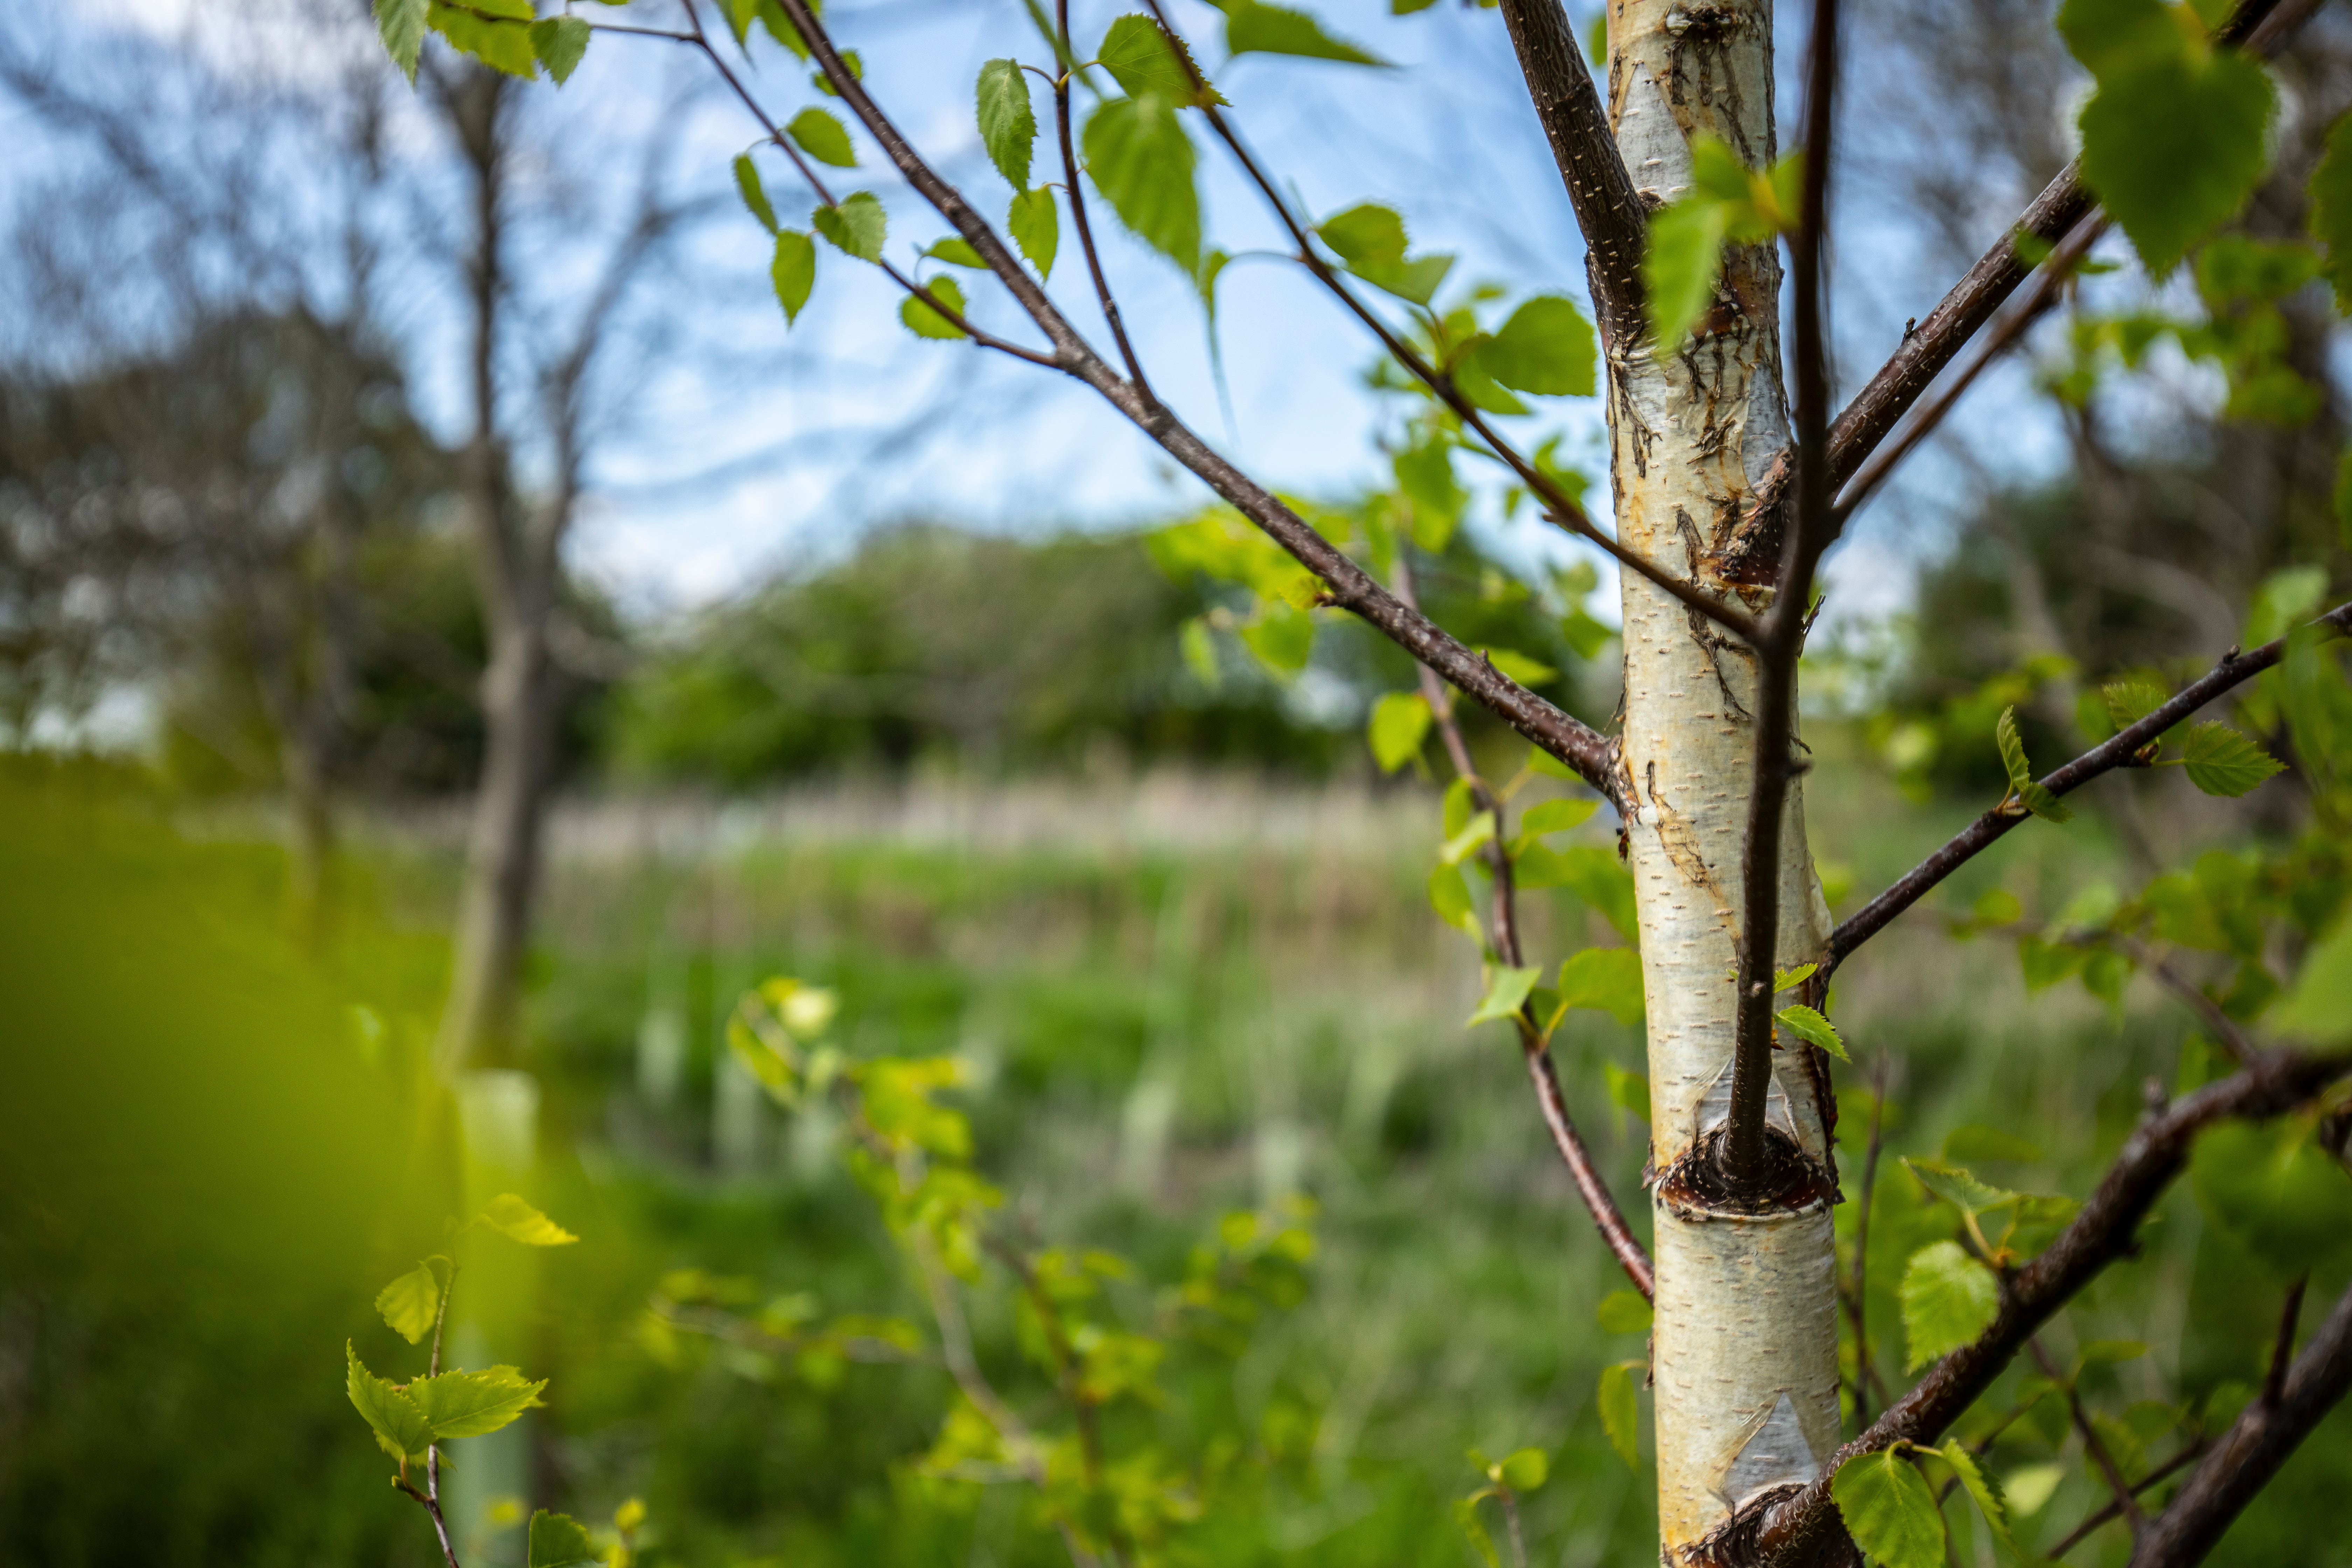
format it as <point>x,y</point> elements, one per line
<point>1556,816</point>
<point>1960,1188</point>
<point>1142,58</point>
<point>1008,126</point>
<point>1982,1490</point>
<point>500,39</point>
<point>1606,979</point>
<point>473,1404</point>
<point>1506,988</point>
<point>2331,210</point>
<point>1807,1025</point>
<point>956,253</point>
<point>2042,803</point>
<point>856,226</point>
<point>2129,701</point>
<point>1400,723</point>
<point>1415,281</point>
<point>2222,761</point>
<point>1449,895</point>
<point>1366,232</point>
<point>1254,26</point>
<point>1624,1312</point>
<point>2012,749</point>
<point>1142,160</point>
<point>1037,227</point>
<point>401,24</point>
<point>511,1218</point>
<point>2173,143</point>
<point>400,1428</point>
<point>1948,1298</point>
<point>412,1303</point>
<point>823,137</point>
<point>1890,1510</point>
<point>792,270</point>
<point>1547,347</point>
<point>1527,1471</point>
<point>1620,1411</point>
<point>754,193</point>
<point>1785,979</point>
<point>559,1541</point>
<point>824,83</point>
<point>1680,267</point>
<point>926,323</point>
<point>560,42</point>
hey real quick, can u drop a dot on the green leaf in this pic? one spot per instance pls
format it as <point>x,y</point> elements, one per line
<point>1981,1488</point>
<point>1142,160</point>
<point>1449,895</point>
<point>956,253</point>
<point>1785,979</point>
<point>2028,1489</point>
<point>1629,1091</point>
<point>1035,226</point>
<point>792,270</point>
<point>1624,1312</point>
<point>511,1218</point>
<point>755,195</point>
<point>1890,1510</point>
<point>2223,761</point>
<point>2129,701</point>
<point>2276,1190</point>
<point>856,224</point>
<point>500,39</point>
<point>1594,874</point>
<point>1424,473</point>
<point>2331,202</point>
<point>400,1428</point>
<point>824,83</point>
<point>1282,635</point>
<point>2022,785</point>
<point>412,1303</point>
<point>926,323</point>
<point>1142,58</point>
<point>1400,723</point>
<point>559,1541</point>
<point>2319,1008</point>
<point>1519,667</point>
<point>1415,281</point>
<point>1556,816</point>
<point>1253,26</point>
<point>1948,1298</point>
<point>1680,267</point>
<point>1466,1518</point>
<point>1977,1142</point>
<point>1547,347</point>
<point>1606,979</point>
<point>1364,233</point>
<point>1008,127</point>
<point>1810,1026</point>
<point>822,137</point>
<point>401,24</point>
<point>1506,988</point>
<point>1621,1410</point>
<point>560,42</point>
<point>2173,139</point>
<point>1527,1471</point>
<point>1960,1188</point>
<point>473,1404</point>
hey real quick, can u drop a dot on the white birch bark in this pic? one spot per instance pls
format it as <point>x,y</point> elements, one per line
<point>1744,1353</point>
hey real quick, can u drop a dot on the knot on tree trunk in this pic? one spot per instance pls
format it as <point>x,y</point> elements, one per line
<point>1786,1180</point>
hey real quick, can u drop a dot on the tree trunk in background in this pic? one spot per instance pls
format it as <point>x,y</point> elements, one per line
<point>1744,1353</point>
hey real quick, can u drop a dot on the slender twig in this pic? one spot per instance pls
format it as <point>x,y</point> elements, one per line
<point>2115,1510</point>
<point>1741,1154</point>
<point>2251,1452</point>
<point>2121,750</point>
<point>2225,1029</point>
<point>1797,1530</point>
<point>1534,1047</point>
<point>2056,272</point>
<point>2282,1348</point>
<point>2092,1443</point>
<point>1560,508</point>
<point>1073,188</point>
<point>1865,1369</point>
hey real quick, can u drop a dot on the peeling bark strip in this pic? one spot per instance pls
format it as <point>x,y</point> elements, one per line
<point>1745,1352</point>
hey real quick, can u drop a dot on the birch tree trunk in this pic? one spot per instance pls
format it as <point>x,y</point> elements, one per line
<point>1744,1353</point>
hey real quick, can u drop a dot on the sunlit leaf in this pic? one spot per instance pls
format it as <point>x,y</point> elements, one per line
<point>1142,160</point>
<point>1555,815</point>
<point>512,1217</point>
<point>1008,127</point>
<point>1449,895</point>
<point>1400,722</point>
<point>924,321</point>
<point>1680,267</point>
<point>560,42</point>
<point>822,137</point>
<point>1960,1188</point>
<point>1948,1298</point>
<point>792,270</point>
<point>1546,347</point>
<point>1890,1510</point>
<point>412,1303</point>
<point>1606,979</point>
<point>1252,25</point>
<point>473,1404</point>
<point>401,24</point>
<point>1624,1312</point>
<point>754,193</point>
<point>1506,988</point>
<point>1983,1488</point>
<point>1807,1025</point>
<point>856,224</point>
<point>1142,58</point>
<point>495,32</point>
<point>2222,761</point>
<point>1367,232</point>
<point>1035,226</point>
<point>400,1428</point>
<point>1621,1410</point>
<point>956,252</point>
<point>1526,1470</point>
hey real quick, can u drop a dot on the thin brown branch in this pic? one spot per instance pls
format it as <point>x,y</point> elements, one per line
<point>1804,1528</point>
<point>440,1525</point>
<point>1534,1047</point>
<point>2283,1347</point>
<point>2121,750</point>
<point>1742,1150</point>
<point>2110,1511</point>
<point>1608,209</point>
<point>2093,1445</point>
<point>1072,187</point>
<point>1347,586</point>
<point>2262,1438</point>
<point>2225,1029</point>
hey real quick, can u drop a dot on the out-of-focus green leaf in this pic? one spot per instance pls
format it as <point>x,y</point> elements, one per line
<point>1527,1471</point>
<point>856,224</point>
<point>822,137</point>
<point>560,43</point>
<point>1606,979</point>
<point>792,271</point>
<point>1466,1518</point>
<point>2318,1006</point>
<point>1629,1091</point>
<point>1556,816</point>
<point>1506,988</point>
<point>1624,1312</point>
<point>1400,723</point>
<point>1142,160</point>
<point>1367,232</point>
<point>1142,58</point>
<point>1948,1298</point>
<point>1254,26</point>
<point>510,1216</point>
<point>956,252</point>
<point>1449,895</point>
<point>2274,1189</point>
<point>1680,267</point>
<point>1621,1410</point>
<point>412,1303</point>
<point>1037,227</point>
<point>559,1541</point>
<point>2331,205</point>
<point>926,323</point>
<point>1519,667</point>
<point>1960,1188</point>
<point>1546,347</point>
<point>401,24</point>
<point>755,195</point>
